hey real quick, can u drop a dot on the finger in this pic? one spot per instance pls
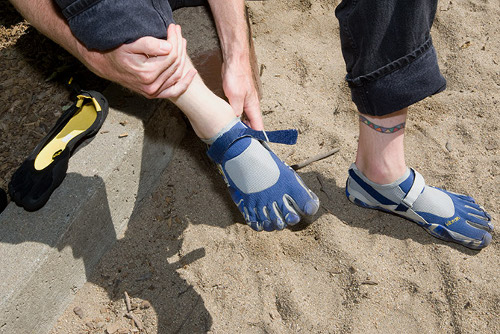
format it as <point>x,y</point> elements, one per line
<point>180,48</point>
<point>179,39</point>
<point>157,66</point>
<point>152,74</point>
<point>177,75</point>
<point>173,55</point>
<point>236,103</point>
<point>172,39</point>
<point>180,87</point>
<point>149,46</point>
<point>253,113</point>
<point>170,77</point>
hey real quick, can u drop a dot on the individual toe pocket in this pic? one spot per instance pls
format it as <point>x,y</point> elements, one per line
<point>305,201</point>
<point>468,235</point>
<point>480,240</point>
<point>475,215</point>
<point>263,216</point>
<point>289,211</point>
<point>252,219</point>
<point>312,205</point>
<point>276,216</point>
<point>479,221</point>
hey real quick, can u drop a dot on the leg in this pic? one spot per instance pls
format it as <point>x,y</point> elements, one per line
<point>390,60</point>
<point>380,180</point>
<point>380,155</point>
<point>395,68</point>
<point>207,113</point>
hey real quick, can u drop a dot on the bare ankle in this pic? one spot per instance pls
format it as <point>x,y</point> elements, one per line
<point>380,155</point>
<point>381,173</point>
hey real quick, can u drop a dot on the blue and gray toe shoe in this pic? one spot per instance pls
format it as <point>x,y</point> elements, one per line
<point>268,193</point>
<point>445,215</point>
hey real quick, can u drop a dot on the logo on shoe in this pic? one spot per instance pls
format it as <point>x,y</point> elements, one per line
<point>454,220</point>
<point>57,153</point>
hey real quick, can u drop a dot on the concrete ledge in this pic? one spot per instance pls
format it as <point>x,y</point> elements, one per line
<point>45,256</point>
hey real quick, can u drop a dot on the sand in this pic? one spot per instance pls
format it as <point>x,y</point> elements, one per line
<point>190,265</point>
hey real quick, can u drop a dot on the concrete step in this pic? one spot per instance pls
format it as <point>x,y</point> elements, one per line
<point>45,256</point>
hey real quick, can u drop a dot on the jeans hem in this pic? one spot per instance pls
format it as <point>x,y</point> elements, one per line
<point>399,84</point>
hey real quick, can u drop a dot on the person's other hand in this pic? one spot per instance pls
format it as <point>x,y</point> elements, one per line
<point>239,88</point>
<point>149,66</point>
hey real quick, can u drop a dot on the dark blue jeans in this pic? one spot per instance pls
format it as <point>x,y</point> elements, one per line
<point>391,62</point>
<point>105,24</point>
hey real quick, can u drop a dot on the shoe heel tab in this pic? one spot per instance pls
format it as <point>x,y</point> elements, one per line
<point>83,97</point>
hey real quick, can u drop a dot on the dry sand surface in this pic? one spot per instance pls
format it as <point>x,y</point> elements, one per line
<point>189,265</point>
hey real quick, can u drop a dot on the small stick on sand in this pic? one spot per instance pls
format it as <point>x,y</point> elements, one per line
<point>314,158</point>
<point>368,282</point>
<point>138,323</point>
<point>127,302</point>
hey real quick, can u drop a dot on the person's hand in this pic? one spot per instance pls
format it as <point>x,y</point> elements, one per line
<point>239,88</point>
<point>149,66</point>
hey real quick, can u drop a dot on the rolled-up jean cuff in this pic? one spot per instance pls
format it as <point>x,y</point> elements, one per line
<point>399,84</point>
<point>106,24</point>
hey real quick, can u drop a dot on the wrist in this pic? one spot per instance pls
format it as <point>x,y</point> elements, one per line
<point>236,53</point>
<point>238,60</point>
<point>82,53</point>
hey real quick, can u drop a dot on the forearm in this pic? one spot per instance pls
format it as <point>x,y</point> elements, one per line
<point>237,75</point>
<point>46,18</point>
<point>232,29</point>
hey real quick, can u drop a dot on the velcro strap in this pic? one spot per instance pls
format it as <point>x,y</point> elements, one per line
<point>415,190</point>
<point>221,145</point>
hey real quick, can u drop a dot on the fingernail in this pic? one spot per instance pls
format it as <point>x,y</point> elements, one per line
<point>165,46</point>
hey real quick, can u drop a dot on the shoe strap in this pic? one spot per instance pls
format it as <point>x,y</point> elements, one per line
<point>415,190</point>
<point>221,145</point>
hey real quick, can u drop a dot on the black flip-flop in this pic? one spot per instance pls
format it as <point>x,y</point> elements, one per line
<point>45,168</point>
